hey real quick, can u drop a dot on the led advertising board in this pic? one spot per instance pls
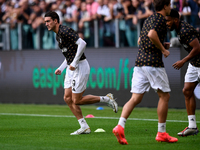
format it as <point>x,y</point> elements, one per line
<point>28,76</point>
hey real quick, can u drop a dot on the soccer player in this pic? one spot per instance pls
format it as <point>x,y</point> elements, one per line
<point>189,38</point>
<point>149,72</point>
<point>77,71</point>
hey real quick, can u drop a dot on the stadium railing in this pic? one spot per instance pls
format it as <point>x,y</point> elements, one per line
<point>115,33</point>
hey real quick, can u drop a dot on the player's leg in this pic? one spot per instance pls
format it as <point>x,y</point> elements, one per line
<point>80,78</point>
<point>162,111</point>
<point>162,108</point>
<point>190,101</point>
<point>191,78</point>
<point>130,105</point>
<point>190,104</point>
<point>79,99</point>
<point>127,109</point>
<point>158,80</point>
<point>139,86</point>
<point>76,110</point>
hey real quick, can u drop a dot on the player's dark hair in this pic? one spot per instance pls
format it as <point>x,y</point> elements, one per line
<point>159,4</point>
<point>174,14</point>
<point>53,16</point>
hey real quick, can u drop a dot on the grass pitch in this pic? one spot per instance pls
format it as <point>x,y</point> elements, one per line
<point>48,127</point>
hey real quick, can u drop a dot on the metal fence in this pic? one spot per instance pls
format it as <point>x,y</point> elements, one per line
<point>116,33</point>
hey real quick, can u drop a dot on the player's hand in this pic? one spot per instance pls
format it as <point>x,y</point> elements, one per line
<point>177,65</point>
<point>72,68</point>
<point>166,53</point>
<point>58,72</point>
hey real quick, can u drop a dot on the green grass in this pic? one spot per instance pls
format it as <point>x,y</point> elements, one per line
<point>50,129</point>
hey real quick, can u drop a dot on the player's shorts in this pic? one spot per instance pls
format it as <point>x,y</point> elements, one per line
<point>192,74</point>
<point>145,77</point>
<point>78,78</point>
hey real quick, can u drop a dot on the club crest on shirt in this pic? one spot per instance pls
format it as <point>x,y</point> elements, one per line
<point>64,49</point>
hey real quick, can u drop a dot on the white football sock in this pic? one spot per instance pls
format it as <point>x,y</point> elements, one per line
<point>162,127</point>
<point>83,123</point>
<point>104,99</point>
<point>192,121</point>
<point>122,121</point>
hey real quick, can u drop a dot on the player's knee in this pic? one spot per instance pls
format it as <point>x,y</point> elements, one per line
<point>165,97</point>
<point>76,101</point>
<point>136,101</point>
<point>187,93</point>
<point>67,99</point>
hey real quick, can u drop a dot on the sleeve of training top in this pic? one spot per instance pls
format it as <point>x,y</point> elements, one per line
<point>63,66</point>
<point>80,50</point>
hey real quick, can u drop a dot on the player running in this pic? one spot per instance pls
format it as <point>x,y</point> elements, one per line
<point>77,71</point>
<point>149,72</point>
<point>189,38</point>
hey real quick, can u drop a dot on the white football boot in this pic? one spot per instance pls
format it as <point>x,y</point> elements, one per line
<point>81,131</point>
<point>188,131</point>
<point>112,103</point>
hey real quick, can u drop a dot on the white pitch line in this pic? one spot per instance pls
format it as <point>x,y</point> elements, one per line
<point>62,116</point>
<point>34,115</point>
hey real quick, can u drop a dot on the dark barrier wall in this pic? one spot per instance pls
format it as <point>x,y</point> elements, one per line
<point>28,76</point>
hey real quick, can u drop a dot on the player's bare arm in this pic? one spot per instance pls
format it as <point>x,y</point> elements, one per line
<point>195,51</point>
<point>153,36</point>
